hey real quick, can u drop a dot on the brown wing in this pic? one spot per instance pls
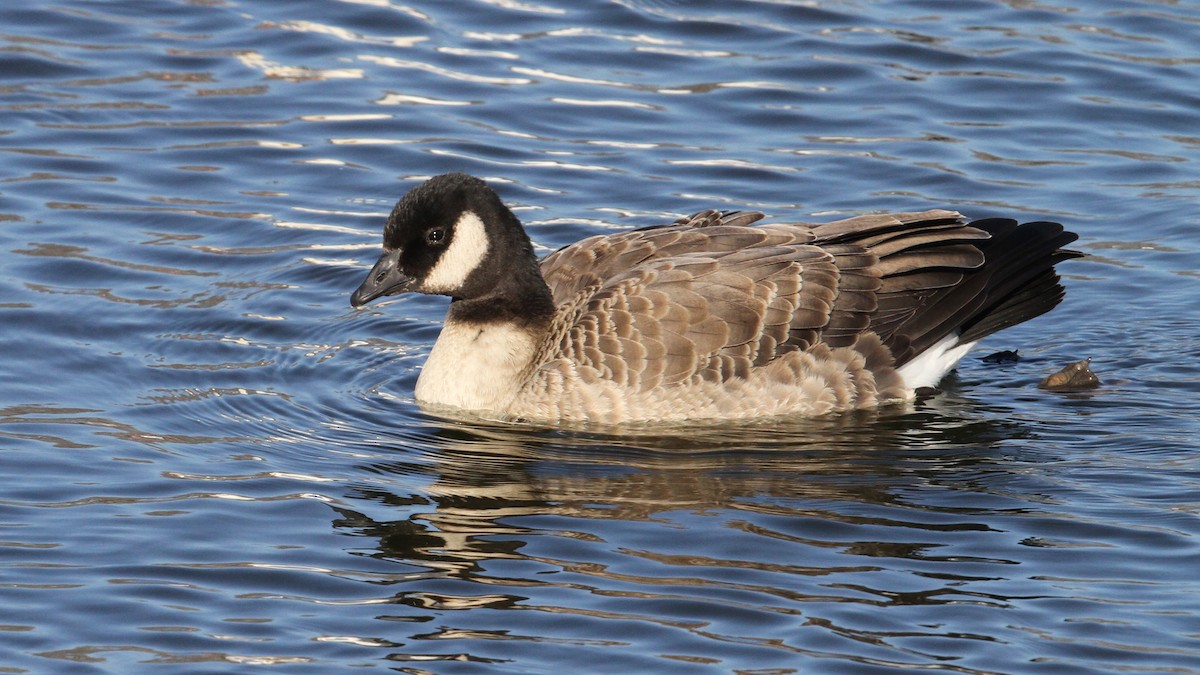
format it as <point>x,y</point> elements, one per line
<point>709,298</point>
<point>706,298</point>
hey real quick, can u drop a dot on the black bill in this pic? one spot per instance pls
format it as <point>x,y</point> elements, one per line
<point>385,279</point>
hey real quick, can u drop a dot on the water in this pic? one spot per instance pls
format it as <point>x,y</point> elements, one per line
<point>211,464</point>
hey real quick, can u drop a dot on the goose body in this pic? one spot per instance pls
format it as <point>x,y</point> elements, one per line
<point>714,316</point>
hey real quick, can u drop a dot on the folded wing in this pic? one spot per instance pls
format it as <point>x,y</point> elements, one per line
<point>710,297</point>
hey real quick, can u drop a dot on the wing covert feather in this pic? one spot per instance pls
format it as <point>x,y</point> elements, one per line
<point>702,301</point>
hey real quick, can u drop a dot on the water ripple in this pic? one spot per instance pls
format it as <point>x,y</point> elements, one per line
<point>189,196</point>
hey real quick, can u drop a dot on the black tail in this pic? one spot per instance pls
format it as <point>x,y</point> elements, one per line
<point>1015,282</point>
<point>1021,280</point>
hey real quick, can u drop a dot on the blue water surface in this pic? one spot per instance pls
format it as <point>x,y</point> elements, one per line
<point>209,463</point>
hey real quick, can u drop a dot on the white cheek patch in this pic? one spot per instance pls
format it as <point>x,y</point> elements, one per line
<point>466,251</point>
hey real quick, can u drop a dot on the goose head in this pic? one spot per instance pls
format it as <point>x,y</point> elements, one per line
<point>451,235</point>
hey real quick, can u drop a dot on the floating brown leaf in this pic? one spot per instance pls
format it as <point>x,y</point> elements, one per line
<point>1076,377</point>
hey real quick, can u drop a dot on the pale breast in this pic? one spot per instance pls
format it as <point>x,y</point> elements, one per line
<point>476,366</point>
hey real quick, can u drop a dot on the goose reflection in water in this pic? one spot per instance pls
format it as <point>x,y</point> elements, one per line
<point>514,518</point>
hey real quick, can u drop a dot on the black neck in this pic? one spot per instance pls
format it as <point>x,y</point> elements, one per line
<point>527,305</point>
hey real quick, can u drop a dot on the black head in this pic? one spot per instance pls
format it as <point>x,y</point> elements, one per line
<point>450,235</point>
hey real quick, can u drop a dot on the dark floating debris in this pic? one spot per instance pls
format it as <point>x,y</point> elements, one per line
<point>1006,356</point>
<point>925,393</point>
<point>1076,377</point>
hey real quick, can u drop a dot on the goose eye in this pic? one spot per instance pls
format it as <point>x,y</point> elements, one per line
<point>435,236</point>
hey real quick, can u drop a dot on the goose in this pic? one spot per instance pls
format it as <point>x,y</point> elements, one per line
<point>712,317</point>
